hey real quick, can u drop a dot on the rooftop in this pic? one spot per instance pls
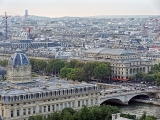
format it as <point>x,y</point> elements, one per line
<point>110,51</point>
<point>39,85</point>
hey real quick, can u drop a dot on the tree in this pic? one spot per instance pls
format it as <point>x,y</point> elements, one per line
<point>57,66</point>
<point>54,116</point>
<point>85,114</point>
<point>133,77</point>
<point>72,64</point>
<point>79,75</point>
<point>158,79</point>
<point>71,75</point>
<point>67,116</point>
<point>150,77</point>
<point>96,112</point>
<point>89,69</point>
<point>64,72</point>
<point>140,75</point>
<point>37,117</point>
<point>101,71</point>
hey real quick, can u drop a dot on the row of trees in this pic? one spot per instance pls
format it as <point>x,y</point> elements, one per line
<point>103,112</point>
<point>152,76</point>
<point>93,113</point>
<point>73,70</point>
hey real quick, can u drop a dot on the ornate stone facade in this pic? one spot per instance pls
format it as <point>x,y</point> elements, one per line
<point>21,97</point>
<point>19,69</point>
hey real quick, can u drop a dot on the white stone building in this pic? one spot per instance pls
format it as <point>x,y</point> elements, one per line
<point>21,96</point>
<point>124,63</point>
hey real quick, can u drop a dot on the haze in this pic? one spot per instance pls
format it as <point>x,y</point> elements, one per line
<point>59,8</point>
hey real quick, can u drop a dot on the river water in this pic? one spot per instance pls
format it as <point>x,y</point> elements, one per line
<point>135,108</point>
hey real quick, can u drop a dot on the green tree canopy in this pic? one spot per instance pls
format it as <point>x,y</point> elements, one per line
<point>101,71</point>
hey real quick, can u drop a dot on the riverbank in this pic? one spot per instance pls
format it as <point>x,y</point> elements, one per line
<point>149,101</point>
<point>137,108</point>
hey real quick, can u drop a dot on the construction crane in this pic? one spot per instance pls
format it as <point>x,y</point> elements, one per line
<point>157,24</point>
<point>29,31</point>
<point>6,25</point>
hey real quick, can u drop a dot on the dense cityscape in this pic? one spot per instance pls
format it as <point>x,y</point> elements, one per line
<point>79,68</point>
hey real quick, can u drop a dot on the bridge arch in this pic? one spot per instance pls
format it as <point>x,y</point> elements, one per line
<point>138,96</point>
<point>112,101</point>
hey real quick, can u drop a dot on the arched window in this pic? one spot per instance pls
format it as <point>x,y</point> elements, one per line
<point>37,95</point>
<point>85,89</point>
<point>80,89</point>
<point>76,90</point>
<point>31,96</point>
<point>26,97</point>
<point>50,93</point>
<point>21,97</point>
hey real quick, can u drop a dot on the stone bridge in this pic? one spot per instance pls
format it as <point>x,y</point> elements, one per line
<point>124,97</point>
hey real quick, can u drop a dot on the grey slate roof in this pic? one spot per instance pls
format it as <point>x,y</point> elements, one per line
<point>109,51</point>
<point>18,59</point>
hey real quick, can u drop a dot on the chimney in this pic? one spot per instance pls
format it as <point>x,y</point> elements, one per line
<point>113,116</point>
<point>118,115</point>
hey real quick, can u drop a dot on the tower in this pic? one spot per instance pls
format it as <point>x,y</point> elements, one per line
<point>26,15</point>
<point>19,68</point>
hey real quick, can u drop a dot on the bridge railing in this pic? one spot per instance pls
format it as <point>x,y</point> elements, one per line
<point>129,92</point>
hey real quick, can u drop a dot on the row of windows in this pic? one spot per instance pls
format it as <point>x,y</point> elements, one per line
<point>51,108</point>
<point>47,94</point>
<point>89,55</point>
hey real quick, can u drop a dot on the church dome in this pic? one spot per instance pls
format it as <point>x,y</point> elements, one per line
<point>18,59</point>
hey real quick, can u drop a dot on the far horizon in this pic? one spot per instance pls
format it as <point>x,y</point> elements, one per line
<point>82,8</point>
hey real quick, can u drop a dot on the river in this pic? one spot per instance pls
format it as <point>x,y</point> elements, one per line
<point>135,108</point>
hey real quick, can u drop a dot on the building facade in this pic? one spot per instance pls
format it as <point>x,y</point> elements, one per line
<point>21,97</point>
<point>124,63</point>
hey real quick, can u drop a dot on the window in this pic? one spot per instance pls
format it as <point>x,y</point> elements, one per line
<point>61,106</point>
<point>96,101</point>
<point>72,104</point>
<point>82,102</point>
<point>34,110</point>
<point>44,109</point>
<point>86,102</point>
<point>17,112</point>
<point>24,111</point>
<point>2,113</point>
<point>48,108</point>
<point>79,104</point>
<point>57,107</point>
<point>91,101</point>
<point>29,111</point>
<point>65,105</point>
<point>69,104</point>
<point>40,109</point>
<point>52,107</point>
<point>11,113</point>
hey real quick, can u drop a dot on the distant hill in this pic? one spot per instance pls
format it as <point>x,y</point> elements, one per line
<point>122,16</point>
<point>34,17</point>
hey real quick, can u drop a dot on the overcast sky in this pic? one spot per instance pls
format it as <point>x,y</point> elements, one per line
<point>59,8</point>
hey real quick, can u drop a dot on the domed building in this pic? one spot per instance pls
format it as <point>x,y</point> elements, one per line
<point>22,97</point>
<point>19,68</point>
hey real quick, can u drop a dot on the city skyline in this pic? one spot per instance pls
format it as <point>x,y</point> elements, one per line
<point>80,8</point>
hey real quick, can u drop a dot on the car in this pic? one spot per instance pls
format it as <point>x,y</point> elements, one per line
<point>142,89</point>
<point>150,87</point>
